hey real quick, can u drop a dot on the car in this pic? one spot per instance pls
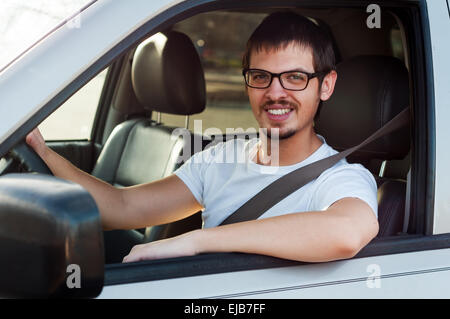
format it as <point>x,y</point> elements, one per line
<point>128,122</point>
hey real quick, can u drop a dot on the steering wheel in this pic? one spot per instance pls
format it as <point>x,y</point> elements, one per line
<point>28,158</point>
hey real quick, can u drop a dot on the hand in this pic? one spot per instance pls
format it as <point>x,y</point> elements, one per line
<point>35,140</point>
<point>179,246</point>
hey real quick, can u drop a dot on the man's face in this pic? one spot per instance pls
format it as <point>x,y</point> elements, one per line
<point>267,104</point>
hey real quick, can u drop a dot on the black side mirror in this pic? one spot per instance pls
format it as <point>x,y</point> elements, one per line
<point>51,239</point>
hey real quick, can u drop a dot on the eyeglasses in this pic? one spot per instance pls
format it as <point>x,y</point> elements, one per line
<point>289,80</point>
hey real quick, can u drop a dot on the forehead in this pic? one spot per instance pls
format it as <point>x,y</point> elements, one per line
<point>282,58</point>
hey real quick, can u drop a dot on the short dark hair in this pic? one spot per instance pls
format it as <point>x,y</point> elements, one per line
<point>279,29</point>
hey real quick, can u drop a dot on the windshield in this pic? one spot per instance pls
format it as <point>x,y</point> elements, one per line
<point>23,22</point>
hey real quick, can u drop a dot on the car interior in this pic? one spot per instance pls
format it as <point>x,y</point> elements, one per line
<point>170,78</point>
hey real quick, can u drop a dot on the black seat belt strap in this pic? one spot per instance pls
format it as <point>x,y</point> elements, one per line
<point>287,184</point>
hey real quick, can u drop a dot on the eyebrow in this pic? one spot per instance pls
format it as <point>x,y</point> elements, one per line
<point>298,69</point>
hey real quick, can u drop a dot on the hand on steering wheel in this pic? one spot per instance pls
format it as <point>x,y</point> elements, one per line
<point>27,156</point>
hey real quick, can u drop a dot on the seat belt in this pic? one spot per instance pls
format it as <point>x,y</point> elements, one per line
<point>287,184</point>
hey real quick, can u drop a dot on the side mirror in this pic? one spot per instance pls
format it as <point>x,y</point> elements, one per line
<point>51,239</point>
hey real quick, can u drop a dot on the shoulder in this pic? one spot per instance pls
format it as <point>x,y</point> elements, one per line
<point>346,171</point>
<point>344,180</point>
<point>346,176</point>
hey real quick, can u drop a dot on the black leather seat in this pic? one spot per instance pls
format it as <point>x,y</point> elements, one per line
<point>141,150</point>
<point>369,92</point>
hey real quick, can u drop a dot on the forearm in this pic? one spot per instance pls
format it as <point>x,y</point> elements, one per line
<point>309,236</point>
<point>155,203</point>
<point>336,233</point>
<point>108,198</point>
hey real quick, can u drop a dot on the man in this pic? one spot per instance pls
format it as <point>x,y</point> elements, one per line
<point>288,69</point>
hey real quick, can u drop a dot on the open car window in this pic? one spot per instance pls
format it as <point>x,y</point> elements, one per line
<point>220,51</point>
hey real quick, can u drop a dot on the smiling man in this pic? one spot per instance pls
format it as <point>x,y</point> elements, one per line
<point>288,68</point>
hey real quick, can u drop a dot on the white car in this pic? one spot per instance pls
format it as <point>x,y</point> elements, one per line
<point>133,74</point>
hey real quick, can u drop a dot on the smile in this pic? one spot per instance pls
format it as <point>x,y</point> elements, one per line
<point>279,114</point>
<point>279,111</point>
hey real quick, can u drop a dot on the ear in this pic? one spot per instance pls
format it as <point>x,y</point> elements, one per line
<point>328,84</point>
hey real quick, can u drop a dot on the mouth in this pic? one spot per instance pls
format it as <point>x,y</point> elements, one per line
<point>278,113</point>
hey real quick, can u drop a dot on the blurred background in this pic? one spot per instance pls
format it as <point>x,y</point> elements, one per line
<point>23,22</point>
<point>219,37</point>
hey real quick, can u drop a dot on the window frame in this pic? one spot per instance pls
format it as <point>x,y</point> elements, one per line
<point>421,65</point>
<point>217,263</point>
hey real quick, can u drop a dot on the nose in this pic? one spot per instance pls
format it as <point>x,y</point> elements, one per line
<point>275,90</point>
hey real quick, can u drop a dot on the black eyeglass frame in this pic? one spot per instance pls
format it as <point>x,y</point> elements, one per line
<point>278,75</point>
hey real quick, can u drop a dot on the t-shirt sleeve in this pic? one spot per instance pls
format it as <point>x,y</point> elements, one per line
<point>193,171</point>
<point>191,174</point>
<point>351,180</point>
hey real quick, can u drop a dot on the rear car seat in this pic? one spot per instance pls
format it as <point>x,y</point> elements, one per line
<point>141,150</point>
<point>369,92</point>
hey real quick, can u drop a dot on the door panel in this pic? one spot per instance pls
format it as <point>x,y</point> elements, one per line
<point>417,274</point>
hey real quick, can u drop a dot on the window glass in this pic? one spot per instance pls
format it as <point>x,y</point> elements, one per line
<point>220,39</point>
<point>397,43</point>
<point>73,120</point>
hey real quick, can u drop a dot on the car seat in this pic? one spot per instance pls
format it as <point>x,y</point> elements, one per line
<point>369,92</point>
<point>167,77</point>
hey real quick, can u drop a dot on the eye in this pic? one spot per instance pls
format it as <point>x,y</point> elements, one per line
<point>259,77</point>
<point>295,77</point>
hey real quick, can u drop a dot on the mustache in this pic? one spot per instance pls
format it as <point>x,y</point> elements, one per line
<point>280,102</point>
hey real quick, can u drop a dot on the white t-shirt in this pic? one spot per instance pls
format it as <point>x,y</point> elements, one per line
<point>223,177</point>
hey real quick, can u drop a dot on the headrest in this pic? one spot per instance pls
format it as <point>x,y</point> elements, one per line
<point>167,75</point>
<point>369,91</point>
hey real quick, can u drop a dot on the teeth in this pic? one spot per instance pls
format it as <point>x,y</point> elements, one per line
<point>278,111</point>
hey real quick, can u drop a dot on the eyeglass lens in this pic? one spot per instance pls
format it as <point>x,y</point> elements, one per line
<point>293,80</point>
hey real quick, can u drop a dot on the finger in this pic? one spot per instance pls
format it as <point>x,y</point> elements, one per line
<point>136,254</point>
<point>128,259</point>
<point>133,257</point>
<point>38,135</point>
<point>33,138</point>
<point>30,138</point>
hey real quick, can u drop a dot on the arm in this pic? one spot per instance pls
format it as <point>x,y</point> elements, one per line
<point>154,203</point>
<point>336,233</point>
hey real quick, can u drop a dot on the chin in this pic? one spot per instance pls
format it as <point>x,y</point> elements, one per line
<point>282,136</point>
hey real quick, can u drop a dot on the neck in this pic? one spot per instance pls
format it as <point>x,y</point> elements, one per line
<point>290,151</point>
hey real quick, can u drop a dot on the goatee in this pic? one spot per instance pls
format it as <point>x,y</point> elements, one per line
<point>286,135</point>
